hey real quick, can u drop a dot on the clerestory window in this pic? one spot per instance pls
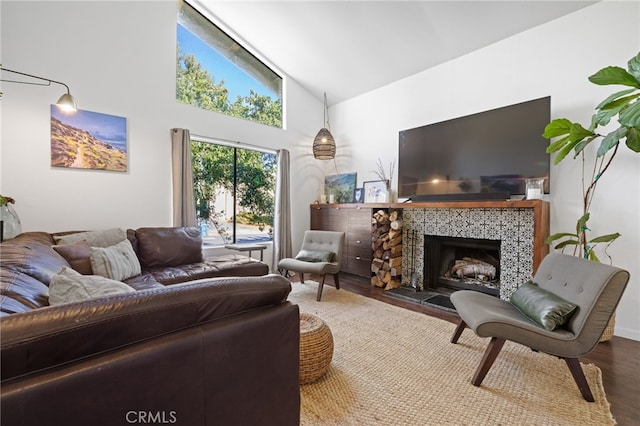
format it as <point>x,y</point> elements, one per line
<point>216,73</point>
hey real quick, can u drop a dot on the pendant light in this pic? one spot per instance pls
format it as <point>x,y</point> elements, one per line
<point>324,146</point>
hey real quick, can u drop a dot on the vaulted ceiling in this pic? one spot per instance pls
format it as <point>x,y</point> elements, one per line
<point>347,48</point>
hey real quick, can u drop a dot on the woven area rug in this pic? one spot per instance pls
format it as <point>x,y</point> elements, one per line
<point>392,366</point>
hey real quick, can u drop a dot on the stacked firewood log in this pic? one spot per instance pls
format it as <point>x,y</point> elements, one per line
<point>386,244</point>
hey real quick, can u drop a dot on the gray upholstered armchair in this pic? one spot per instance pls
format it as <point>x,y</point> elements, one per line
<point>594,287</point>
<point>321,253</point>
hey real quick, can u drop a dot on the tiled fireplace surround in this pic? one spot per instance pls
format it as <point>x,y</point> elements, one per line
<point>514,227</point>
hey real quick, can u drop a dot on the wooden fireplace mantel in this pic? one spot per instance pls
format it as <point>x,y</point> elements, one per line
<point>540,210</point>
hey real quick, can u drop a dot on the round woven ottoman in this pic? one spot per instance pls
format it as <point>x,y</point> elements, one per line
<point>316,348</point>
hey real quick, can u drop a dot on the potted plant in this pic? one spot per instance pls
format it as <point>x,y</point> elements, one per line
<point>623,107</point>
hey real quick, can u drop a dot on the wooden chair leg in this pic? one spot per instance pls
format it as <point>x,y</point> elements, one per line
<point>490,355</point>
<point>459,329</point>
<point>301,277</point>
<point>336,281</point>
<point>578,376</point>
<point>320,287</point>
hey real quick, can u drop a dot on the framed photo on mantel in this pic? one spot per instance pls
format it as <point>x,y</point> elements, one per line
<point>376,191</point>
<point>358,195</point>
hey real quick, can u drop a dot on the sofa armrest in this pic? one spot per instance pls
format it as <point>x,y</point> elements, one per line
<point>53,336</point>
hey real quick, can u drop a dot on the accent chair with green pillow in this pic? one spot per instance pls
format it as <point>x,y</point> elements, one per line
<point>320,253</point>
<point>562,281</point>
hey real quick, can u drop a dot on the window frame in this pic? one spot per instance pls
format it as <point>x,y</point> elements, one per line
<point>235,145</point>
<point>249,54</point>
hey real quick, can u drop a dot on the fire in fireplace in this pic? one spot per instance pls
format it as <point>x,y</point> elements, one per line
<point>454,263</point>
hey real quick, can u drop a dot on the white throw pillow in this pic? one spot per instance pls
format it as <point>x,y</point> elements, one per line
<point>117,262</point>
<point>69,286</point>
<point>105,238</point>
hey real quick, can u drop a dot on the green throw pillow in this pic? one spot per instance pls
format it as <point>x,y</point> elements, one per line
<point>542,306</point>
<point>315,256</point>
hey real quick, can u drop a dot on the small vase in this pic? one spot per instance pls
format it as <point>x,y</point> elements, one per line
<point>392,196</point>
<point>9,223</point>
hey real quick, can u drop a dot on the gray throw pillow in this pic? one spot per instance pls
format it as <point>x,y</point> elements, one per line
<point>69,286</point>
<point>105,238</point>
<point>315,256</point>
<point>542,306</point>
<point>117,262</point>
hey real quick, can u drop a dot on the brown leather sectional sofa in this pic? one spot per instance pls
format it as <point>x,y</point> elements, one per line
<point>199,343</point>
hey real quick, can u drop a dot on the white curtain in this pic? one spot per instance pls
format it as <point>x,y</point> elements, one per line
<point>184,206</point>
<point>282,216</point>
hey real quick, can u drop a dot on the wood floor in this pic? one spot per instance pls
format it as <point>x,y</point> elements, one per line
<point>618,359</point>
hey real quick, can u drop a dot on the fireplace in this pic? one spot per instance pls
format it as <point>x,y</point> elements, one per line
<point>459,263</point>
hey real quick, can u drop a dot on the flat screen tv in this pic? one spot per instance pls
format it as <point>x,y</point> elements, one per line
<point>488,155</point>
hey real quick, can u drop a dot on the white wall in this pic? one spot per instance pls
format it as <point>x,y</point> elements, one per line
<point>553,59</point>
<point>119,58</point>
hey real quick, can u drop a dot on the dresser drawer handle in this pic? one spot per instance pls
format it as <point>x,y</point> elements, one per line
<point>358,241</point>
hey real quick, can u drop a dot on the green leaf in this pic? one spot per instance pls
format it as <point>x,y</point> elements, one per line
<point>634,66</point>
<point>630,116</point>
<point>605,238</point>
<point>633,139</point>
<point>557,127</point>
<point>574,133</point>
<point>564,152</point>
<point>603,116</point>
<point>582,223</point>
<point>615,96</point>
<point>563,244</point>
<point>557,145</point>
<point>620,103</point>
<point>581,145</point>
<point>614,75</point>
<point>577,132</point>
<point>593,257</point>
<point>557,236</point>
<point>611,140</point>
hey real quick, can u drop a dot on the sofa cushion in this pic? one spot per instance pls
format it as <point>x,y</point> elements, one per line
<point>175,246</point>
<point>20,293</point>
<point>31,254</point>
<point>232,265</point>
<point>69,286</point>
<point>117,262</point>
<point>102,238</point>
<point>542,306</point>
<point>77,254</point>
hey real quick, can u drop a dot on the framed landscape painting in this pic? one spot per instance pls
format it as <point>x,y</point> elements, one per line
<point>88,140</point>
<point>341,186</point>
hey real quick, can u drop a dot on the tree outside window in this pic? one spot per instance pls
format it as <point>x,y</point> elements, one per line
<point>234,190</point>
<point>215,73</point>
